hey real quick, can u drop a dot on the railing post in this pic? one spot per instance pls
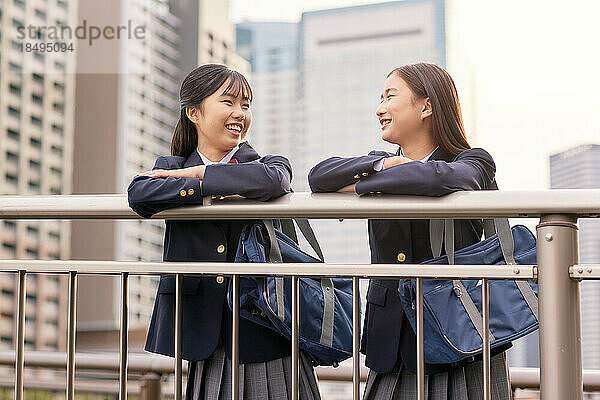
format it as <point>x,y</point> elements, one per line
<point>178,335</point>
<point>71,335</point>
<point>150,387</point>
<point>123,332</point>
<point>235,338</point>
<point>560,327</point>
<point>20,334</point>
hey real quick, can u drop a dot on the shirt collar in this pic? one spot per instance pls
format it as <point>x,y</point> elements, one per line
<point>224,160</point>
<point>426,158</point>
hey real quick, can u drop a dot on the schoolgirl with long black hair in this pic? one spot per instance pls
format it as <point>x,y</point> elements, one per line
<point>209,157</point>
<point>419,111</point>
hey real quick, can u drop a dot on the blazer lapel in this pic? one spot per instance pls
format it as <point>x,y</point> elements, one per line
<point>193,160</point>
<point>245,153</point>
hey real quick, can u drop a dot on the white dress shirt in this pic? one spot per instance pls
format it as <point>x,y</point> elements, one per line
<point>224,160</point>
<point>378,166</point>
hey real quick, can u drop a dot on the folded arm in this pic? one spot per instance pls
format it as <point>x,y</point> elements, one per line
<point>168,185</point>
<point>473,169</point>
<point>336,173</point>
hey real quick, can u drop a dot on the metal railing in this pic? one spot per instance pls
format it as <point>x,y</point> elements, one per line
<point>557,272</point>
<point>148,370</point>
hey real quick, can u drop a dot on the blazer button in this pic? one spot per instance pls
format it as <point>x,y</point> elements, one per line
<point>221,197</point>
<point>220,279</point>
<point>401,257</point>
<point>221,248</point>
<point>191,192</point>
<point>213,197</point>
<point>365,174</point>
<point>182,193</point>
<point>356,176</point>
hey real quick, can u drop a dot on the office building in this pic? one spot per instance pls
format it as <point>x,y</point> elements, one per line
<point>127,106</point>
<point>37,95</point>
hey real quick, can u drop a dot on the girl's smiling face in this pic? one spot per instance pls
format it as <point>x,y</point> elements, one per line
<point>400,114</point>
<point>223,119</point>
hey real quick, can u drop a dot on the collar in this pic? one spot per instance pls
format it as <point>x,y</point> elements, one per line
<point>244,153</point>
<point>224,160</point>
<point>424,159</point>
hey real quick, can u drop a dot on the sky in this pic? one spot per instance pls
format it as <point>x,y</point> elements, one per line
<point>526,73</point>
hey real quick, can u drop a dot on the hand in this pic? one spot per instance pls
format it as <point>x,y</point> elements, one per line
<point>348,189</point>
<point>389,162</point>
<point>190,172</point>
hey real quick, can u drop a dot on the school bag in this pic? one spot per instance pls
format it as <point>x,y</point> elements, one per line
<point>325,303</point>
<point>452,320</point>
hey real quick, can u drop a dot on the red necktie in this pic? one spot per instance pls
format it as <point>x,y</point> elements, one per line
<point>233,161</point>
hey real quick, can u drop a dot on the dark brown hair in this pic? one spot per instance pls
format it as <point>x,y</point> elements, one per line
<point>202,82</point>
<point>429,80</point>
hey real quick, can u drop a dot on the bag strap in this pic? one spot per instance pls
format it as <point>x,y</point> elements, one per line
<point>275,256</point>
<point>443,229</point>
<point>288,229</point>
<point>327,287</point>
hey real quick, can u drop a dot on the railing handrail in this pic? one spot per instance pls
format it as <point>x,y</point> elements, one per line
<point>560,346</point>
<point>141,363</point>
<point>465,204</point>
<point>277,269</point>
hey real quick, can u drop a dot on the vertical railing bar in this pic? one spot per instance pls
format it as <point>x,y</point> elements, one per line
<point>178,329</point>
<point>123,332</point>
<point>355,338</point>
<point>420,357</point>
<point>235,343</point>
<point>20,335</point>
<point>485,304</point>
<point>71,327</point>
<point>295,337</point>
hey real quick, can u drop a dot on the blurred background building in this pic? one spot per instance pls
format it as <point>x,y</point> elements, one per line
<point>37,103</point>
<point>318,82</point>
<point>122,128</point>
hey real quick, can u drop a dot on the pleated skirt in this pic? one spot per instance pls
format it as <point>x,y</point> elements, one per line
<point>461,383</point>
<point>270,380</point>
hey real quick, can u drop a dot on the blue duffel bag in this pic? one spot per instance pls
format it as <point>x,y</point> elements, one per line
<point>325,303</point>
<point>452,320</point>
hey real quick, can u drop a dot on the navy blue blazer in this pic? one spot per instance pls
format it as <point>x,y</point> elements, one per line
<point>206,315</point>
<point>387,335</point>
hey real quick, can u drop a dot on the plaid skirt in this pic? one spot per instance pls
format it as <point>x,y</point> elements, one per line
<point>270,380</point>
<point>462,383</point>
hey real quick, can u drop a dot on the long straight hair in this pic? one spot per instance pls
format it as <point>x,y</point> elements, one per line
<point>429,80</point>
<point>199,84</point>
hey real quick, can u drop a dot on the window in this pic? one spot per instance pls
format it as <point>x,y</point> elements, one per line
<point>35,186</point>
<point>12,134</point>
<point>14,89</point>
<point>33,253</point>
<point>35,142</point>
<point>59,65</point>
<point>57,128</point>
<point>12,157</point>
<point>59,86</point>
<point>33,164</point>
<point>37,121</point>
<point>14,111</point>
<point>40,14</point>
<point>58,107</point>
<point>38,78</point>
<point>14,67</point>
<point>37,99</point>
<point>10,178</point>
<point>10,225</point>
